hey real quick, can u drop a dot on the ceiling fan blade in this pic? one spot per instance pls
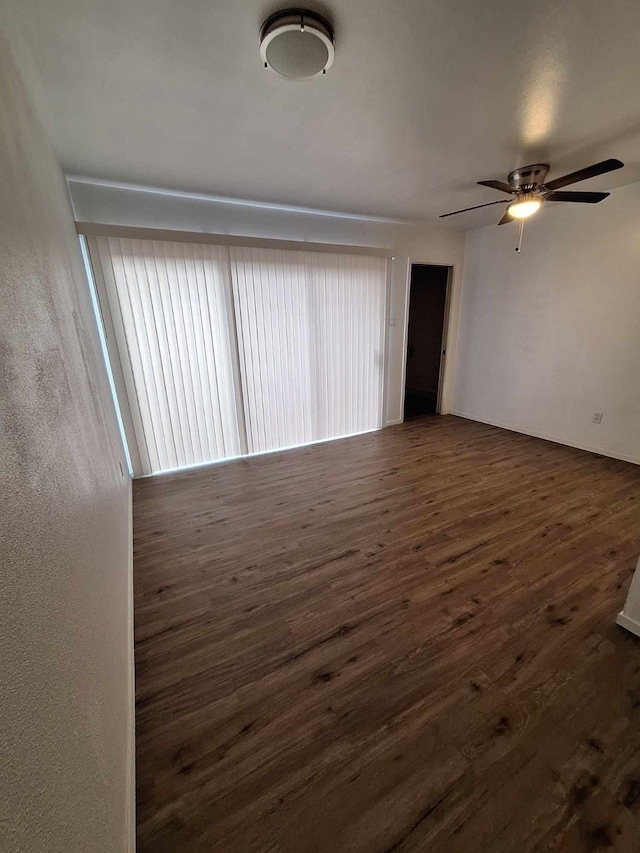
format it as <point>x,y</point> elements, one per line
<point>498,185</point>
<point>582,174</point>
<point>588,198</point>
<point>506,218</point>
<point>476,207</point>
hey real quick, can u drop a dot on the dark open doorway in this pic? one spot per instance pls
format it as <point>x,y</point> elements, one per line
<point>425,339</point>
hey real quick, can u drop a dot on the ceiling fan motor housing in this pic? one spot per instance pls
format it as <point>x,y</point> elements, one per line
<point>527,178</point>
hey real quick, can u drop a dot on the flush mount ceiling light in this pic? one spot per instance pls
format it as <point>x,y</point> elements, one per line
<point>297,44</point>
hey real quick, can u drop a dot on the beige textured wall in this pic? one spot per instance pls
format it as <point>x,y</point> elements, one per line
<point>550,336</point>
<point>65,675</point>
<point>630,616</point>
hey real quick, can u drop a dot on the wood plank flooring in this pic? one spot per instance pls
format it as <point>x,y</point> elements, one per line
<point>403,641</point>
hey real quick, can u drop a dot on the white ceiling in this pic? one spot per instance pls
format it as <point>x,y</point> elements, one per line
<point>425,97</point>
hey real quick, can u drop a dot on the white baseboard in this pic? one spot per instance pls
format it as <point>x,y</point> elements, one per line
<point>131,764</point>
<point>394,423</point>
<point>628,623</point>
<point>601,451</point>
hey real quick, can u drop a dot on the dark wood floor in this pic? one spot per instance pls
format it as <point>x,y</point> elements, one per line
<point>403,641</point>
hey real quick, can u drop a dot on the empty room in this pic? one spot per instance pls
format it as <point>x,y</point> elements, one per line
<point>320,426</point>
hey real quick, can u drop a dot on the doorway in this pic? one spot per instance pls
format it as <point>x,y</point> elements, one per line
<point>425,339</point>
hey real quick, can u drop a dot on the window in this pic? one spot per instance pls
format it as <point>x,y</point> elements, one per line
<point>227,350</point>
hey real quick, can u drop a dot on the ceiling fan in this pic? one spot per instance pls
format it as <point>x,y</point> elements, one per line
<point>528,189</point>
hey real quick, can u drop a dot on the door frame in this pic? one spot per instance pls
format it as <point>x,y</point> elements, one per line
<point>446,329</point>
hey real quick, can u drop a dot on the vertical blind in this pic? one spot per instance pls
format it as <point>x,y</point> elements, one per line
<point>224,350</point>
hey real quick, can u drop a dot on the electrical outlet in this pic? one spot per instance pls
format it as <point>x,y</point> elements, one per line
<point>597,417</point>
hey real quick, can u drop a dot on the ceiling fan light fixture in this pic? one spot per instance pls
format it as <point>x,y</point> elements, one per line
<point>530,187</point>
<point>526,206</point>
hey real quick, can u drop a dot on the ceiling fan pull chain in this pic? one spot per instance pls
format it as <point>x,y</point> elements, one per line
<point>519,246</point>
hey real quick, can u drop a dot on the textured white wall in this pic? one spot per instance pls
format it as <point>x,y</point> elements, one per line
<point>115,205</point>
<point>65,694</point>
<point>549,337</point>
<point>630,616</point>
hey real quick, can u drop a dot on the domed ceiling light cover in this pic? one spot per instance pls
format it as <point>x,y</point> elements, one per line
<point>297,44</point>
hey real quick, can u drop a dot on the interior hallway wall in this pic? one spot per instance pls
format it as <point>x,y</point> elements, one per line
<point>629,617</point>
<point>409,242</point>
<point>548,337</point>
<point>65,538</point>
